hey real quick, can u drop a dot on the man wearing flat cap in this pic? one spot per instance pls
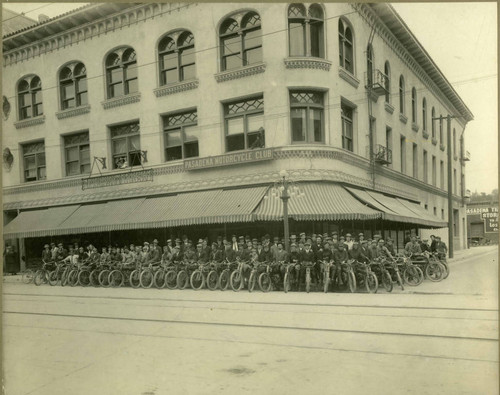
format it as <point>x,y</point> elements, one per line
<point>348,241</point>
<point>46,254</point>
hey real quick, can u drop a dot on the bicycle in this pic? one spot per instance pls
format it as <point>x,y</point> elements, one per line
<point>159,275</point>
<point>265,281</point>
<point>236,280</point>
<point>431,267</point>
<point>183,275</point>
<point>412,274</point>
<point>383,275</point>
<point>347,273</point>
<point>308,266</point>
<point>326,275</point>
<point>198,276</point>
<point>225,274</point>
<point>393,265</point>
<point>147,276</point>
<point>287,281</point>
<point>42,274</point>
<point>366,277</point>
<point>56,275</point>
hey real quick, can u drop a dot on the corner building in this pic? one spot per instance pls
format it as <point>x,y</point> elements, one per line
<point>124,122</point>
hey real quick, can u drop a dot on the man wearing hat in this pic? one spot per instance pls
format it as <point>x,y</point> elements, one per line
<point>340,256</point>
<point>441,248</point>
<point>189,252</point>
<point>229,253</point>
<point>412,247</point>
<point>318,245</point>
<point>373,250</point>
<point>155,253</point>
<point>201,256</point>
<point>274,246</point>
<point>390,246</point>
<point>382,250</point>
<point>61,252</point>
<point>169,246</point>
<point>266,255</point>
<point>234,243</point>
<point>424,246</point>
<point>306,256</point>
<point>176,254</point>
<point>46,253</point>
<point>216,255</point>
<point>302,237</point>
<point>53,250</point>
<point>104,258</point>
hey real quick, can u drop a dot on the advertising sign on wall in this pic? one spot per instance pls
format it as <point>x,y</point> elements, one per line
<point>490,219</point>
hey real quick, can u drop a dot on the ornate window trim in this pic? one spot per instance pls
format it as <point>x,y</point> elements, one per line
<point>347,76</point>
<point>414,127</point>
<point>25,123</point>
<point>121,101</point>
<point>176,88</point>
<point>308,63</point>
<point>389,107</point>
<point>434,141</point>
<point>442,147</point>
<point>73,112</point>
<point>403,118</point>
<point>425,134</point>
<point>240,73</point>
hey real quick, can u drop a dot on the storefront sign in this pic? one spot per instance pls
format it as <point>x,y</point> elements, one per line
<point>490,219</point>
<point>229,159</point>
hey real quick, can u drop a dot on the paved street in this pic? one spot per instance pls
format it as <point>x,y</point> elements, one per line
<point>437,338</point>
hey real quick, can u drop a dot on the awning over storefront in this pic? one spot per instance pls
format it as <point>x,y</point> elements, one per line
<point>39,222</point>
<point>319,201</point>
<point>397,209</point>
<point>194,208</point>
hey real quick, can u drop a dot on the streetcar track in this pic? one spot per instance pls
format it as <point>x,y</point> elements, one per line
<point>269,310</point>
<point>324,348</point>
<point>256,302</point>
<point>259,326</point>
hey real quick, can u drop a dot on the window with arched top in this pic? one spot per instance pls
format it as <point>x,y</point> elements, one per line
<point>433,124</point>
<point>369,64</point>
<point>29,97</point>
<point>414,105</point>
<point>424,114</point>
<point>387,81</point>
<point>346,46</point>
<point>240,38</point>
<point>401,94</point>
<point>121,72</point>
<point>73,86</point>
<point>176,56</point>
<point>306,30</point>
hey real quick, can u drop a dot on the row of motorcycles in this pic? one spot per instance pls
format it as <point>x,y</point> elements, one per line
<point>350,275</point>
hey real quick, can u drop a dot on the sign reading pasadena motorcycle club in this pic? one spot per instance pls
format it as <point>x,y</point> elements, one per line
<point>229,159</point>
<point>489,215</point>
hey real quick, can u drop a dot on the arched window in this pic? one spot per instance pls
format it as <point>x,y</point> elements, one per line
<point>433,124</point>
<point>414,105</point>
<point>305,30</point>
<point>369,65</point>
<point>240,41</point>
<point>387,81</point>
<point>424,115</point>
<point>73,86</point>
<point>121,72</point>
<point>346,46</point>
<point>29,96</point>
<point>401,95</point>
<point>177,57</point>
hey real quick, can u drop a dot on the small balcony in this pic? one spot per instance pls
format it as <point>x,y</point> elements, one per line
<point>376,82</point>
<point>382,155</point>
<point>466,156</point>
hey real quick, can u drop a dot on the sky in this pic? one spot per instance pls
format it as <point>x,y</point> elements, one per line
<point>461,38</point>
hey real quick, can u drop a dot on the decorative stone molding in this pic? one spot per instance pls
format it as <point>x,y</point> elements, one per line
<point>373,96</point>
<point>176,88</point>
<point>347,76</point>
<point>240,73</point>
<point>128,177</point>
<point>425,135</point>
<point>434,141</point>
<point>455,157</point>
<point>112,22</point>
<point>442,147</point>
<point>308,63</point>
<point>26,123</point>
<point>73,112</point>
<point>389,107</point>
<point>403,118</point>
<point>414,127</point>
<point>121,101</point>
<point>365,11</point>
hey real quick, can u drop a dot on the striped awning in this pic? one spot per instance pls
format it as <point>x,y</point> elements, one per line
<point>320,202</point>
<point>397,209</point>
<point>34,223</point>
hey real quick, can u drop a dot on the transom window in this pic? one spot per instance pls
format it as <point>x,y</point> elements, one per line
<point>29,95</point>
<point>347,131</point>
<point>346,46</point>
<point>307,117</point>
<point>305,30</point>
<point>244,123</point>
<point>181,135</point>
<point>177,57</point>
<point>121,72</point>
<point>73,86</point>
<point>240,41</point>
<point>34,161</point>
<point>126,145</point>
<point>401,95</point>
<point>77,153</point>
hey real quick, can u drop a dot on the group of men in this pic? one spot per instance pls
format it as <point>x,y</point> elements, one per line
<point>304,250</point>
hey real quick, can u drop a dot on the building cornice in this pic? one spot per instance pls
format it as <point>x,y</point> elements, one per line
<point>115,21</point>
<point>178,87</point>
<point>308,63</point>
<point>242,72</point>
<point>73,112</point>
<point>26,123</point>
<point>390,39</point>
